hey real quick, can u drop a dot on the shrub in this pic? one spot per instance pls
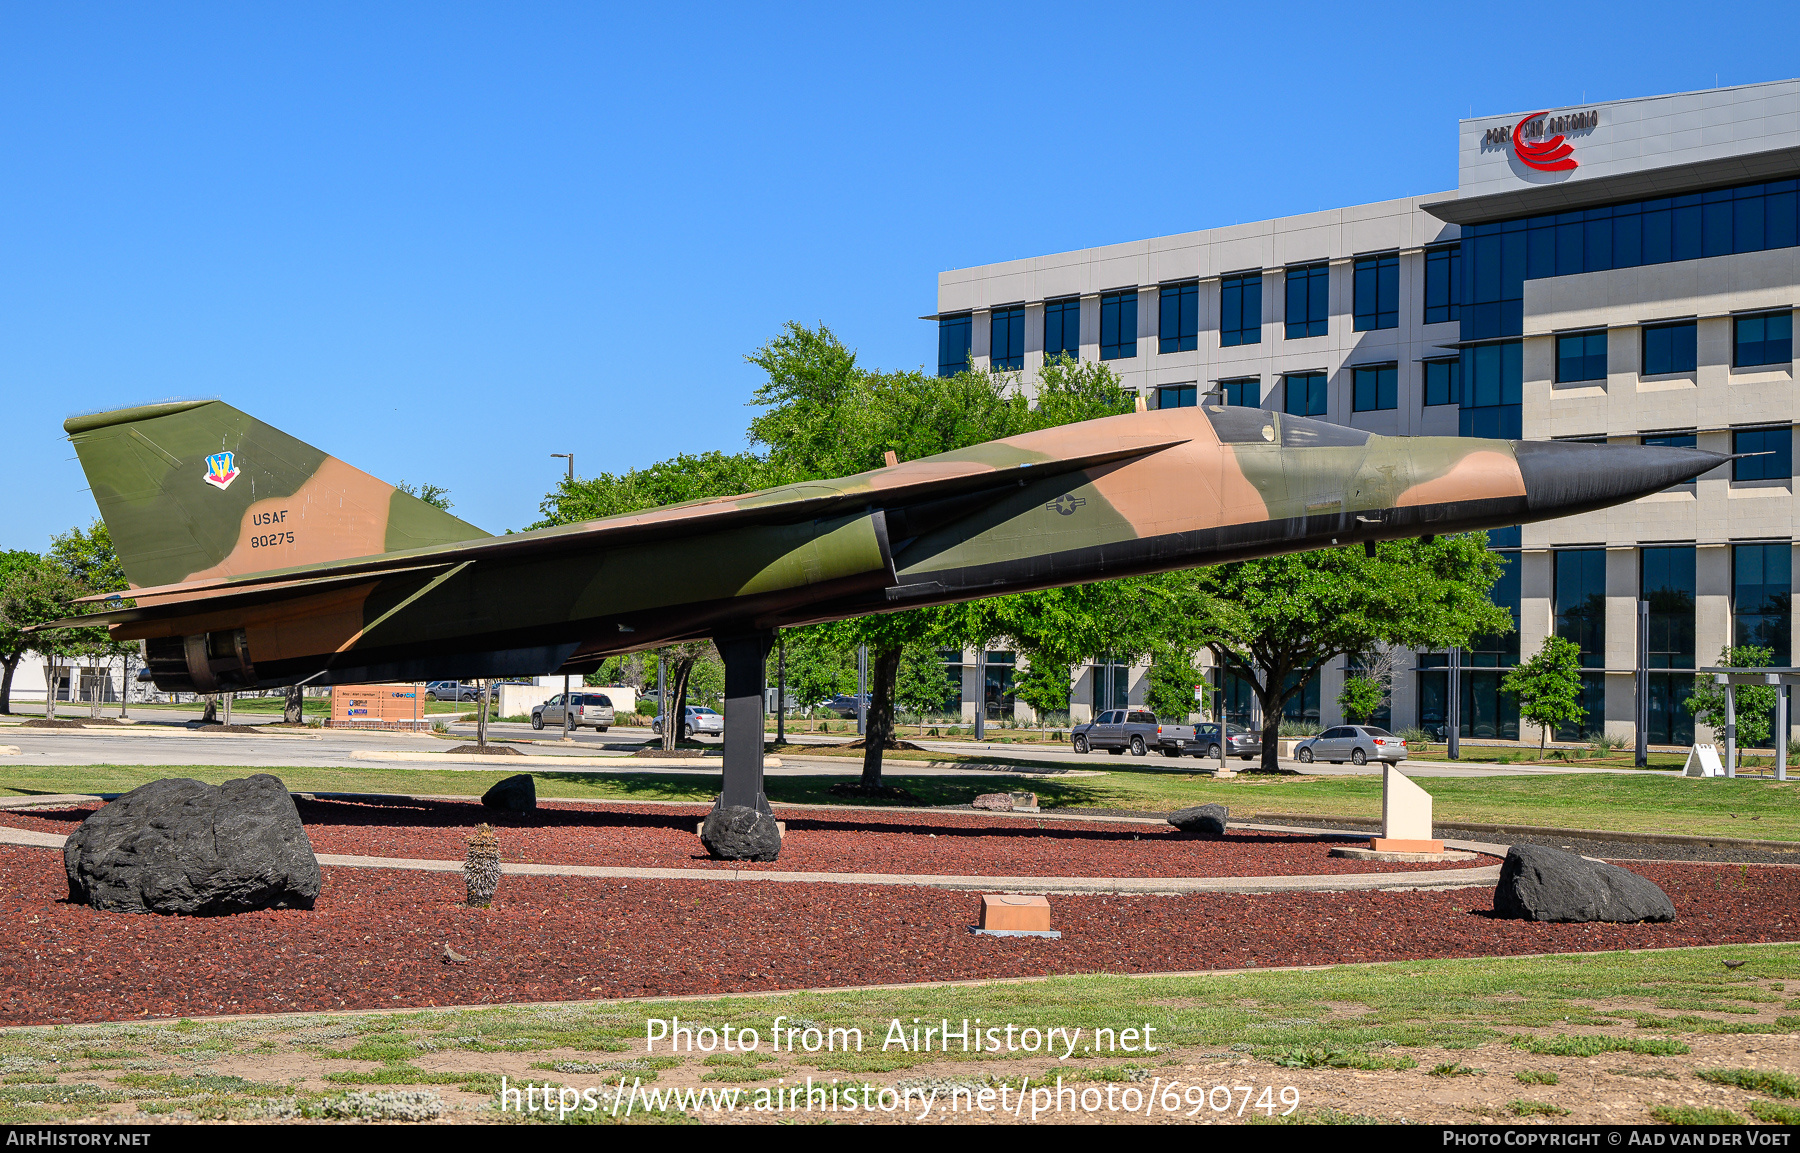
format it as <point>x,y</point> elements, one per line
<point>1535,1109</point>
<point>1535,1077</point>
<point>1589,1045</point>
<point>1755,1080</point>
<point>1690,1115</point>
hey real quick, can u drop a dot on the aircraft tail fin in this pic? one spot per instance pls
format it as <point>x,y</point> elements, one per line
<point>195,489</point>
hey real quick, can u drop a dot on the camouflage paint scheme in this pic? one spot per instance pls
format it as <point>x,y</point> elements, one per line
<point>281,564</point>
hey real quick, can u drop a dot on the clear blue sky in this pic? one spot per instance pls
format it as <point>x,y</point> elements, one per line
<point>444,241</point>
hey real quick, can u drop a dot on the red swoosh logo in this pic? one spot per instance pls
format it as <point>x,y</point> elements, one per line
<point>1552,155</point>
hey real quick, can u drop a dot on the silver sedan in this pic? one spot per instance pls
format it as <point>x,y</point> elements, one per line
<point>1358,744</point>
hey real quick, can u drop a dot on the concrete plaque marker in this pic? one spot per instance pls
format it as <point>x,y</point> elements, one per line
<point>1405,816</point>
<point>1015,915</point>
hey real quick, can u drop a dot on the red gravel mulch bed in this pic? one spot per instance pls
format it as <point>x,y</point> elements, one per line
<point>923,844</point>
<point>374,940</point>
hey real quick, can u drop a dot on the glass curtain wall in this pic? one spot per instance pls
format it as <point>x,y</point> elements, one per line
<point>997,694</point>
<point>1487,713</point>
<point>953,344</point>
<point>1666,580</point>
<point>1118,325</point>
<point>1111,685</point>
<point>1240,309</point>
<point>1581,618</point>
<point>1062,328</point>
<point>953,672</point>
<point>1762,598</point>
<point>1498,258</point>
<point>1008,333</point>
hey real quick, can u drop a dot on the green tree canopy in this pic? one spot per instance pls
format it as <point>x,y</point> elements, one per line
<point>1548,687</point>
<point>1282,619</point>
<point>33,591</point>
<point>1755,703</point>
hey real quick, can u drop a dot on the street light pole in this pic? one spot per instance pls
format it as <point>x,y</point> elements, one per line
<point>1642,759</point>
<point>568,705</point>
<point>1453,741</point>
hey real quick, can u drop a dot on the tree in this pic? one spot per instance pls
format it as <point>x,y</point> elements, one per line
<point>1173,678</point>
<point>1755,703</point>
<point>921,685</point>
<point>1548,687</point>
<point>680,661</point>
<point>431,494</point>
<point>674,481</point>
<point>824,416</point>
<point>1280,620</point>
<point>1044,685</point>
<point>33,591</point>
<point>88,557</point>
<point>817,668</point>
<point>1361,698</point>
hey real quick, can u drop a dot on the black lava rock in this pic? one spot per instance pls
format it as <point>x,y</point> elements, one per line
<point>737,833</point>
<point>516,794</point>
<point>1208,819</point>
<point>1538,883</point>
<point>183,846</point>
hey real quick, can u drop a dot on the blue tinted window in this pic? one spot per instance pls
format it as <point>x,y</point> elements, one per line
<point>1492,380</point>
<point>1307,306</point>
<point>1440,382</point>
<point>1500,256</point>
<point>1374,387</point>
<point>1240,309</point>
<point>1246,393</point>
<point>1669,348</point>
<point>1306,394</point>
<point>1762,339</point>
<point>953,344</point>
<point>1178,328</point>
<point>1443,283</point>
<point>1761,598</point>
<point>1008,348</point>
<point>1062,329</point>
<point>1771,453</point>
<point>1581,602</point>
<point>1118,325</point>
<point>1376,291</point>
<point>1176,396</point>
<point>1581,356</point>
<point>1666,580</point>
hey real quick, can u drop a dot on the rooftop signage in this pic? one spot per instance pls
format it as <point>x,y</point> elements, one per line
<point>1538,139</point>
<point>1579,156</point>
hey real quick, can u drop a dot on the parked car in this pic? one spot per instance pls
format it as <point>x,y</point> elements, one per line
<point>1358,744</point>
<point>699,720</point>
<point>843,705</point>
<point>591,710</point>
<point>1241,743</point>
<point>1136,729</point>
<point>452,691</point>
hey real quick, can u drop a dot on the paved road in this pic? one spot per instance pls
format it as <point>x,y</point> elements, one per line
<point>161,739</point>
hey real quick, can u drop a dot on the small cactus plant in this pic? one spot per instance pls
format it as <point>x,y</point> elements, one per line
<point>481,868</point>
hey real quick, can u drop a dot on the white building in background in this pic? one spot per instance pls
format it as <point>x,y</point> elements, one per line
<point>1622,272</point>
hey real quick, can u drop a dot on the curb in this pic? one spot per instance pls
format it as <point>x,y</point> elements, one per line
<point>1549,831</point>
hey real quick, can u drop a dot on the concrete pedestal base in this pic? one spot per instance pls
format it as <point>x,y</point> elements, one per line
<point>1387,855</point>
<point>1405,845</point>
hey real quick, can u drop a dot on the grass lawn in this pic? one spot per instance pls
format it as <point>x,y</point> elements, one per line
<point>1764,810</point>
<point>1537,1011</point>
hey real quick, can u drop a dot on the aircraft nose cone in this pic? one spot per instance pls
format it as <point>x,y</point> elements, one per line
<point>1562,477</point>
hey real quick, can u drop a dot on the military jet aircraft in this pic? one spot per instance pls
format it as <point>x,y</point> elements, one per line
<point>257,561</point>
